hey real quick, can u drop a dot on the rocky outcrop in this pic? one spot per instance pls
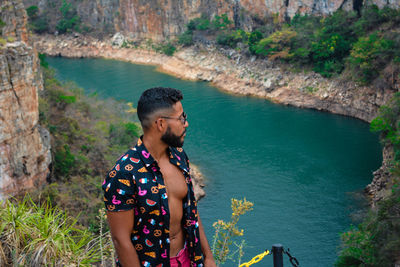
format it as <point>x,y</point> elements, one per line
<point>383,180</point>
<point>24,145</point>
<point>160,19</point>
<point>198,182</point>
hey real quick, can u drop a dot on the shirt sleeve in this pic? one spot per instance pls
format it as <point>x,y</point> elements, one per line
<point>119,191</point>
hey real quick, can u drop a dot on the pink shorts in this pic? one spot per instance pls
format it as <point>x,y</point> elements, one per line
<point>182,259</point>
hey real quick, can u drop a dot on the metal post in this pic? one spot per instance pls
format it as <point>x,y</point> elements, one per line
<point>277,250</point>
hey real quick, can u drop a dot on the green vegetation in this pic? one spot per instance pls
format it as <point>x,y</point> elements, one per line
<point>41,235</point>
<point>38,23</point>
<point>369,55</point>
<point>360,46</point>
<point>186,38</point>
<point>69,20</point>
<point>375,241</point>
<point>165,48</point>
<point>85,144</point>
<point>2,24</point>
<point>226,231</point>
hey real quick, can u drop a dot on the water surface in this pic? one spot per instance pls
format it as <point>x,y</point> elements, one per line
<point>299,167</point>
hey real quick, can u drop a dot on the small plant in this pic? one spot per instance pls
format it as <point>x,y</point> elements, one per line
<point>221,22</point>
<point>165,48</point>
<point>226,231</point>
<point>186,38</point>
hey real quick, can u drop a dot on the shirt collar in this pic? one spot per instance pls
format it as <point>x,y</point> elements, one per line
<point>148,159</point>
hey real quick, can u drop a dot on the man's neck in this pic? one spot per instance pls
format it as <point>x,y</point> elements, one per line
<point>155,146</point>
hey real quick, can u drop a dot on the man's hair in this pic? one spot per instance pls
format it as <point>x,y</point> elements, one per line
<point>155,99</point>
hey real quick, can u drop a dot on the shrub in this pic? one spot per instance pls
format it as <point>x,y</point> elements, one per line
<point>37,23</point>
<point>70,20</point>
<point>226,231</point>
<point>186,38</point>
<point>64,161</point>
<point>368,55</point>
<point>253,39</point>
<point>191,26</point>
<point>277,45</point>
<point>372,17</point>
<point>32,11</point>
<point>221,22</point>
<point>123,133</point>
<point>166,48</point>
<point>333,42</point>
<point>231,39</point>
<point>202,23</point>
<point>306,28</point>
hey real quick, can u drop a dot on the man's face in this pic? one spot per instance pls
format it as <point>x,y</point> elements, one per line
<point>176,130</point>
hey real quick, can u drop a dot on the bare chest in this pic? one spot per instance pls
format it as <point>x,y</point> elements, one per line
<point>174,181</point>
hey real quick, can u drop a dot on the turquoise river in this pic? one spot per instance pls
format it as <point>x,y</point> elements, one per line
<point>304,170</point>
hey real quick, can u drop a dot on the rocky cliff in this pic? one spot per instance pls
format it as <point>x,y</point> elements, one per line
<point>160,19</point>
<point>24,145</point>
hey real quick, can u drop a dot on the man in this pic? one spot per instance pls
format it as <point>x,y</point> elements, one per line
<point>149,195</point>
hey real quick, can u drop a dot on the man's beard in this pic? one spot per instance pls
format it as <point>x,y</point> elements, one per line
<point>171,139</point>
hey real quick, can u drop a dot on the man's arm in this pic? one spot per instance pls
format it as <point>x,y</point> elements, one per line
<point>121,226</point>
<point>205,247</point>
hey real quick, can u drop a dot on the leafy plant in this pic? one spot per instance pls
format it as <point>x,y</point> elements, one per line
<point>70,20</point>
<point>40,235</point>
<point>37,22</point>
<point>226,231</point>
<point>277,45</point>
<point>186,38</point>
<point>368,55</point>
<point>221,22</point>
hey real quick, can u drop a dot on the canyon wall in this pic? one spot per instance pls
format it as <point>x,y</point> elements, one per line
<point>24,146</point>
<point>160,19</point>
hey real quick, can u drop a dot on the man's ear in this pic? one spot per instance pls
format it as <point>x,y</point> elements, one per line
<point>160,124</point>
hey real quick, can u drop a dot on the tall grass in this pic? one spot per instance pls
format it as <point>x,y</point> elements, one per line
<point>40,235</point>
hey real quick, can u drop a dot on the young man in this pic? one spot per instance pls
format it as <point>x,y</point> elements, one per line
<point>149,196</point>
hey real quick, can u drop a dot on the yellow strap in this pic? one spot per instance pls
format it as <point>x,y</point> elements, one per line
<point>256,259</point>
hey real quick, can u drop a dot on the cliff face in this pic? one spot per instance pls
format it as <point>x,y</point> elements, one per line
<point>24,145</point>
<point>159,19</point>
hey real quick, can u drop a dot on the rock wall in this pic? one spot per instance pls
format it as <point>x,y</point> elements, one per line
<point>160,19</point>
<point>24,145</point>
<point>381,184</point>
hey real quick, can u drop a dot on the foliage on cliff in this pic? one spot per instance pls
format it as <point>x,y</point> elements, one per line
<point>87,135</point>
<point>375,242</point>
<point>60,15</point>
<point>363,47</point>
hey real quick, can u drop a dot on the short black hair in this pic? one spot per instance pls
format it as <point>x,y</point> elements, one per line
<point>155,99</point>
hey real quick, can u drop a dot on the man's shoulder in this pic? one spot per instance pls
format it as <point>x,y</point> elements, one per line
<point>129,161</point>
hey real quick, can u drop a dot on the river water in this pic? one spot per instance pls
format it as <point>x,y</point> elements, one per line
<point>302,169</point>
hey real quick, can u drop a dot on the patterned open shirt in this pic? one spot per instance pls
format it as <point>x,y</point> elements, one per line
<point>135,182</point>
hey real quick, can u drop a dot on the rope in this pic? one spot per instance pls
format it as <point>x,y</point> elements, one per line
<point>256,259</point>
